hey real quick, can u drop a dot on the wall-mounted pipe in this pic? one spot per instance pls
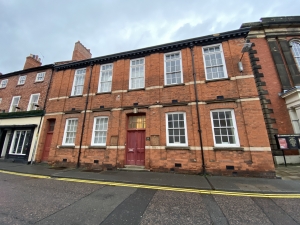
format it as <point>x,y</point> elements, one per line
<point>84,115</point>
<point>197,108</point>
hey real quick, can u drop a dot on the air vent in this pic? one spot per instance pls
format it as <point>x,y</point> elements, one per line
<point>73,109</point>
<point>220,97</point>
<point>177,164</point>
<point>136,103</point>
<point>101,106</point>
<point>229,167</point>
<point>65,160</point>
<point>174,101</point>
<point>96,161</point>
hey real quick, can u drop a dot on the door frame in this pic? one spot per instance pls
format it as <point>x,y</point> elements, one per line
<point>133,129</point>
<point>48,123</point>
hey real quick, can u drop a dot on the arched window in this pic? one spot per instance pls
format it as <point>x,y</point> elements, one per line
<point>296,52</point>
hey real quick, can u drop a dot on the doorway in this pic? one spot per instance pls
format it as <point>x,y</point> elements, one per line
<point>48,140</point>
<point>135,148</point>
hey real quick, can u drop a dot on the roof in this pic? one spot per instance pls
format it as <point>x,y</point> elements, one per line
<point>34,69</point>
<point>273,21</point>
<point>173,46</point>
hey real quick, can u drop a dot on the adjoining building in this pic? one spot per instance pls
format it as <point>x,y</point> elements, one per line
<point>23,96</point>
<point>184,106</point>
<point>275,59</point>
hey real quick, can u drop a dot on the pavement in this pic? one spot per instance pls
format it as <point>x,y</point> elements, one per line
<point>289,172</point>
<point>288,178</point>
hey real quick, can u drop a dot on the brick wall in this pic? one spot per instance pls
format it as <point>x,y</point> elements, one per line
<point>31,86</point>
<point>239,92</point>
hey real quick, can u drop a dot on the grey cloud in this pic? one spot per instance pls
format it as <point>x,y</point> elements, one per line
<point>50,28</point>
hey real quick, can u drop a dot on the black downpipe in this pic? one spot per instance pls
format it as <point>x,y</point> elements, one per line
<point>44,109</point>
<point>84,115</point>
<point>197,108</point>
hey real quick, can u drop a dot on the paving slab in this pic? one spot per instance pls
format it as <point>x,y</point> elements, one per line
<point>249,184</point>
<point>40,169</point>
<point>150,178</point>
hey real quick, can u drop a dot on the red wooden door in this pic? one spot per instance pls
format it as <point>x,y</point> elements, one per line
<point>48,140</point>
<point>135,151</point>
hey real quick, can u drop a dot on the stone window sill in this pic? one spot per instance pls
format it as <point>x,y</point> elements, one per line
<point>67,146</point>
<point>221,79</point>
<point>173,85</point>
<point>177,148</point>
<point>97,147</point>
<point>75,96</point>
<point>102,93</point>
<point>228,149</point>
<point>138,89</point>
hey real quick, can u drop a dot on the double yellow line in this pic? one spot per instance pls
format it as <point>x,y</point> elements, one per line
<point>162,188</point>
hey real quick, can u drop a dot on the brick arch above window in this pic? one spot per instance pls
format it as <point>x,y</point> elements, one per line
<point>295,47</point>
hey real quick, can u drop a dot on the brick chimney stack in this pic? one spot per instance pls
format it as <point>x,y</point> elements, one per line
<point>32,61</point>
<point>80,52</point>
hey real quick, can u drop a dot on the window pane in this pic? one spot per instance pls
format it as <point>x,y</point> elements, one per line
<point>138,122</point>
<point>182,139</point>
<point>217,131</point>
<point>216,123</point>
<point>224,139</point>
<point>218,140</point>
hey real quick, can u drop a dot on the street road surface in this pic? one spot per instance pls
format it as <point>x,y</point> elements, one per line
<point>26,200</point>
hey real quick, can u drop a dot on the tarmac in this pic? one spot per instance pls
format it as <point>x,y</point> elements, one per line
<point>287,182</point>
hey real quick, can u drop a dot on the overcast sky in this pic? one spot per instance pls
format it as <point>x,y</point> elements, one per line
<point>50,28</point>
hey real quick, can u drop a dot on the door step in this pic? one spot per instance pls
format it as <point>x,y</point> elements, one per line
<point>134,168</point>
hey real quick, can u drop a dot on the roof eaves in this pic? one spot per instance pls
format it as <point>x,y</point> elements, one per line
<point>173,46</point>
<point>27,70</point>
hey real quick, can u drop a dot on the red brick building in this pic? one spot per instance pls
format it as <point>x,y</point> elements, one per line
<point>23,97</point>
<point>275,60</point>
<point>183,106</point>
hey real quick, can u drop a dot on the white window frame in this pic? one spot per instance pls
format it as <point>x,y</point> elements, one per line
<point>103,130</point>
<point>31,105</point>
<point>66,130</point>
<point>185,130</point>
<point>13,142</point>
<point>75,80</point>
<point>40,77</point>
<point>14,105</point>
<point>165,67</point>
<point>130,72</point>
<point>236,135</point>
<point>102,71</point>
<point>0,101</point>
<point>296,55</point>
<point>3,83</point>
<point>223,61</point>
<point>22,80</point>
